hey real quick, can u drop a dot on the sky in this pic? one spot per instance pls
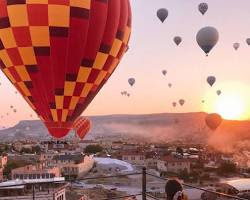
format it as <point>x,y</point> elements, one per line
<point>152,49</point>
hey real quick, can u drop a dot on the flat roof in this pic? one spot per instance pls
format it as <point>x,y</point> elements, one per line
<point>239,184</point>
<point>18,184</point>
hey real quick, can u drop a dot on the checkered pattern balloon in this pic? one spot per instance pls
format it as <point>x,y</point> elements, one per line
<point>59,53</point>
<point>82,126</point>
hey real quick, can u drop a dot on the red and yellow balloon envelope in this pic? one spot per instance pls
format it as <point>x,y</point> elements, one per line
<point>82,126</point>
<point>59,53</point>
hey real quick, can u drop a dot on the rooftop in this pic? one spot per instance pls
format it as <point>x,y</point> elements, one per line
<point>239,184</point>
<point>17,184</point>
<point>76,157</point>
<point>173,159</point>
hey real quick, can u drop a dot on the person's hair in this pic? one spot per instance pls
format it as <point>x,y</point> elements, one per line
<point>172,186</point>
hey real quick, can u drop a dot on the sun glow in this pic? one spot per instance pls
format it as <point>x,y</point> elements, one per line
<point>232,104</point>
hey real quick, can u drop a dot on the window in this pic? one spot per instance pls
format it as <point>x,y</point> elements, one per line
<point>25,176</point>
<point>51,175</point>
<point>47,175</point>
<point>21,176</point>
<point>173,164</point>
<point>132,158</point>
<point>43,175</point>
<point>38,176</point>
<point>30,176</point>
<point>34,176</point>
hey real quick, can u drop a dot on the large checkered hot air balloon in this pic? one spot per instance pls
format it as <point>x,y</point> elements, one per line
<point>59,53</point>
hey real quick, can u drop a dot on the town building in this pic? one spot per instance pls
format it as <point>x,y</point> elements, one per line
<point>3,160</point>
<point>134,158</point>
<point>173,164</point>
<point>35,172</point>
<point>48,188</point>
<point>58,146</point>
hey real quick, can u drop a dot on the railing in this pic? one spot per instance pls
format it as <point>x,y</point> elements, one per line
<point>144,194</point>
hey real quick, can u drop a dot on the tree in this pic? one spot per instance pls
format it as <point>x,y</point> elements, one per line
<point>25,150</point>
<point>179,150</point>
<point>93,149</point>
<point>36,149</point>
<point>227,168</point>
<point>184,175</point>
<point>12,165</point>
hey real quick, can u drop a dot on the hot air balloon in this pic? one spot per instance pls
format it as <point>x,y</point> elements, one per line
<point>82,126</point>
<point>236,45</point>
<point>203,7</point>
<point>248,41</point>
<point>59,55</point>
<point>181,102</point>
<point>14,110</point>
<point>164,72</point>
<point>11,106</point>
<point>218,92</point>
<point>131,81</point>
<point>203,101</point>
<point>213,121</point>
<point>211,80</point>
<point>128,95</point>
<point>207,38</point>
<point>170,85</point>
<point>177,40</point>
<point>162,14</point>
<point>174,104</point>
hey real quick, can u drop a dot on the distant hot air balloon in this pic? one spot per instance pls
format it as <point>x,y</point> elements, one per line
<point>59,55</point>
<point>211,80</point>
<point>203,7</point>
<point>177,40</point>
<point>236,45</point>
<point>181,102</point>
<point>170,85</point>
<point>82,126</point>
<point>14,110</point>
<point>213,121</point>
<point>218,92</point>
<point>248,41</point>
<point>11,106</point>
<point>207,38</point>
<point>203,101</point>
<point>128,95</point>
<point>164,72</point>
<point>131,81</point>
<point>162,14</point>
<point>174,104</point>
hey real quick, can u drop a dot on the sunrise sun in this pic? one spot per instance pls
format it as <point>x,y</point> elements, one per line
<point>231,104</point>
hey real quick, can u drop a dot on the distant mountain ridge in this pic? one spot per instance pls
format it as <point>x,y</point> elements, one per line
<point>163,126</point>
